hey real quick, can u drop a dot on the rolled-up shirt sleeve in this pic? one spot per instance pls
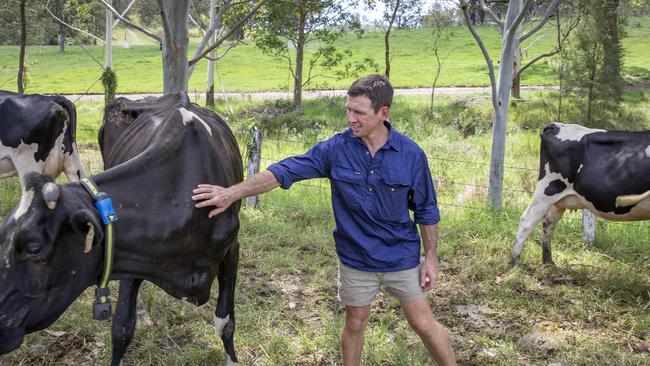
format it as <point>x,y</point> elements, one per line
<point>312,164</point>
<point>423,201</point>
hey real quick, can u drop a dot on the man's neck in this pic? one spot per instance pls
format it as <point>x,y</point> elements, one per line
<point>375,141</point>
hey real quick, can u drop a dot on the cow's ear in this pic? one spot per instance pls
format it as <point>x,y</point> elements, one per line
<point>85,222</point>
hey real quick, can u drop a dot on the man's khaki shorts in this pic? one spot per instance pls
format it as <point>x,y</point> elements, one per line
<point>359,288</point>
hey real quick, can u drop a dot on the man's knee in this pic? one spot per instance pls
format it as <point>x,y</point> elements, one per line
<point>356,320</point>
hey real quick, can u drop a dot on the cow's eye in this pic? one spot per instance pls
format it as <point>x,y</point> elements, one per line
<point>34,249</point>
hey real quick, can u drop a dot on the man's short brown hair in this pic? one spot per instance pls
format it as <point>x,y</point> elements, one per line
<point>376,87</point>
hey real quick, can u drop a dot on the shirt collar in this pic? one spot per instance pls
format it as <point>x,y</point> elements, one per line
<point>393,138</point>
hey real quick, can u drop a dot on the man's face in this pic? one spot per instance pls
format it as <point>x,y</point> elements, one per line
<point>362,118</point>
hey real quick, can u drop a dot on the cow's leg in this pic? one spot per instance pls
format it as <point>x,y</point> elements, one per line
<point>124,319</point>
<point>551,219</point>
<point>533,214</point>
<point>72,166</point>
<point>141,315</point>
<point>224,317</point>
<point>24,163</point>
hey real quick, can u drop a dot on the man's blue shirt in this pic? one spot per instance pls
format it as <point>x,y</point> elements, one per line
<point>371,197</point>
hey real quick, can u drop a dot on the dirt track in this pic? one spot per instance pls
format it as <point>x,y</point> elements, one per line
<point>310,94</point>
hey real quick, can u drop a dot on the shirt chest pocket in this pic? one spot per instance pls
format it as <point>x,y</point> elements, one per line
<point>392,199</point>
<point>349,185</point>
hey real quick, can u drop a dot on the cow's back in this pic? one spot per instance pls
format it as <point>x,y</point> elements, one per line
<point>182,145</point>
<point>31,119</point>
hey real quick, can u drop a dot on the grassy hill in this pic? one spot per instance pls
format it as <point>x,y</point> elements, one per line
<point>246,68</point>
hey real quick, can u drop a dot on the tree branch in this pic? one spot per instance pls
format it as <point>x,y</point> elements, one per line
<point>531,62</point>
<point>195,23</point>
<point>210,32</point>
<point>130,23</point>
<point>465,10</point>
<point>165,23</point>
<point>491,14</point>
<point>228,33</point>
<point>124,13</point>
<point>47,7</point>
<point>561,39</point>
<point>547,15</point>
<point>230,47</point>
<point>511,32</point>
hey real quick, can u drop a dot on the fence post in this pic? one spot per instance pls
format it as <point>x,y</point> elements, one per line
<point>253,153</point>
<point>588,227</point>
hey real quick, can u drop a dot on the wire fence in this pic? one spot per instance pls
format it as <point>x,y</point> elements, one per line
<point>459,181</point>
<point>460,191</point>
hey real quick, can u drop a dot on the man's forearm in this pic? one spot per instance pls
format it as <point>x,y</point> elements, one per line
<point>258,183</point>
<point>430,236</point>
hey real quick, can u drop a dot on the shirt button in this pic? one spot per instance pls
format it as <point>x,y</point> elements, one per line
<point>372,172</point>
<point>392,189</point>
<point>367,152</point>
<point>370,189</point>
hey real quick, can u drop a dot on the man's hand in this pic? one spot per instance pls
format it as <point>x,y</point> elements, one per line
<point>428,273</point>
<point>210,195</point>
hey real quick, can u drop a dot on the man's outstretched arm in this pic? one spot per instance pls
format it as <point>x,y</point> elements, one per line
<point>222,198</point>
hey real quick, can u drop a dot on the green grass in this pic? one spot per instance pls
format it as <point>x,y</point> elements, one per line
<point>596,301</point>
<point>246,69</point>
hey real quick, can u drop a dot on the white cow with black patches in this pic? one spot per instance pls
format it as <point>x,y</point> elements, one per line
<point>602,171</point>
<point>37,134</point>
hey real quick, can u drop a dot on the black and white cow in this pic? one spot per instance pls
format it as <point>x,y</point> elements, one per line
<point>605,172</point>
<point>46,258</point>
<point>37,134</point>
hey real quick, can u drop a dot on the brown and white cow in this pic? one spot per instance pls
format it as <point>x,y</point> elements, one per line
<point>605,172</point>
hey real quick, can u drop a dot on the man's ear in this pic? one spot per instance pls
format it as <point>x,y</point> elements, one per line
<point>85,222</point>
<point>385,111</point>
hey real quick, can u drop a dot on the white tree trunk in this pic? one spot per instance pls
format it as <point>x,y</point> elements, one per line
<point>175,45</point>
<point>510,44</point>
<point>108,47</point>
<point>209,97</point>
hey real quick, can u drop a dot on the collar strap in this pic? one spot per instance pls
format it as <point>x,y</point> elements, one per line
<point>103,203</point>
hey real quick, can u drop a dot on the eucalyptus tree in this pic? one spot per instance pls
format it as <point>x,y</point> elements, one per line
<point>23,44</point>
<point>511,38</point>
<point>571,17</point>
<point>174,17</point>
<point>288,27</point>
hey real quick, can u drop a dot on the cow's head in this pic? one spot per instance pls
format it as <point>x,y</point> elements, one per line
<point>49,253</point>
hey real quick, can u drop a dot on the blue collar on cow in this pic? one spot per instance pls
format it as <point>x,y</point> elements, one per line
<point>102,305</point>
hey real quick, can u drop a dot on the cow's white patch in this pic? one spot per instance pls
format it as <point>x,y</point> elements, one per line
<point>25,202</point>
<point>220,323</point>
<point>574,132</point>
<point>21,160</point>
<point>189,115</point>
<point>552,176</point>
<point>647,151</point>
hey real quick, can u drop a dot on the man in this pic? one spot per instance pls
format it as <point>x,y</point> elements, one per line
<point>377,175</point>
